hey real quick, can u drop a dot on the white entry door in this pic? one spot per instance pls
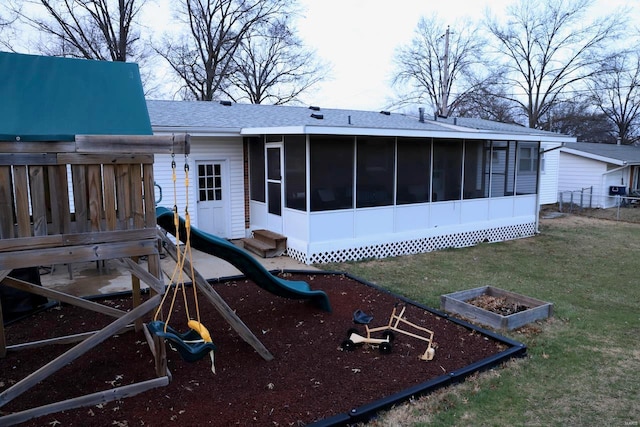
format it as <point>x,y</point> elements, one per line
<point>274,187</point>
<point>212,179</point>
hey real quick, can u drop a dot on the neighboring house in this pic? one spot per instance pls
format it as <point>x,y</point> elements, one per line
<point>603,171</point>
<point>347,184</point>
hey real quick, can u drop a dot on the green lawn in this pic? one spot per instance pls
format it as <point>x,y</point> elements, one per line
<point>583,365</point>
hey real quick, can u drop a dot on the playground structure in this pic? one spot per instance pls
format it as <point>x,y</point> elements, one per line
<point>77,185</point>
<point>107,216</point>
<point>385,343</point>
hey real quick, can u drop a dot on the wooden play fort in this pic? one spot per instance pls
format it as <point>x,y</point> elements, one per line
<point>108,215</point>
<point>77,185</point>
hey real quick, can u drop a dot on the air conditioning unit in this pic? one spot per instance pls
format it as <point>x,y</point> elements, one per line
<point>617,190</point>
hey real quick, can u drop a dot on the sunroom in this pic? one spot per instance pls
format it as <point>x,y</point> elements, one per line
<point>340,197</point>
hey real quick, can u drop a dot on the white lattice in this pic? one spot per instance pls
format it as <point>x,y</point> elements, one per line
<point>428,244</point>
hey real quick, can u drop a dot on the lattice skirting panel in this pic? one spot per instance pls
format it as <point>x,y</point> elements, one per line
<point>415,246</point>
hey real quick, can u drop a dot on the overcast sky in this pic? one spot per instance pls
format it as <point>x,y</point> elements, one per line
<point>358,38</point>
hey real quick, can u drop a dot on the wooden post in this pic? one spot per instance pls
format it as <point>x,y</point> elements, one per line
<point>3,341</point>
<point>136,295</point>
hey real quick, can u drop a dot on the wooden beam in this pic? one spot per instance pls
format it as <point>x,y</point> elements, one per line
<point>37,146</point>
<point>160,144</point>
<point>28,159</point>
<point>62,297</point>
<point>57,240</point>
<point>219,303</point>
<point>73,254</point>
<point>67,339</point>
<point>103,159</point>
<point>69,356</point>
<point>86,400</point>
<point>154,283</point>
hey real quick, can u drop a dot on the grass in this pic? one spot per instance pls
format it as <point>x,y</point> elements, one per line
<point>583,364</point>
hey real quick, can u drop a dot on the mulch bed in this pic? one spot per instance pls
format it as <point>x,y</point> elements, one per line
<point>311,378</point>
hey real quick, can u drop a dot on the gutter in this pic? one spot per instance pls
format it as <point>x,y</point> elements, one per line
<point>540,153</point>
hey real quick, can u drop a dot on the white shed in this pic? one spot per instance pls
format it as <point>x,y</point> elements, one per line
<point>597,175</point>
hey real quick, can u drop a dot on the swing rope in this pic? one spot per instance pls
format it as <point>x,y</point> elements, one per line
<point>177,276</point>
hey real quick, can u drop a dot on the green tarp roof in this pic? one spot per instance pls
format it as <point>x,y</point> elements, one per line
<point>46,98</point>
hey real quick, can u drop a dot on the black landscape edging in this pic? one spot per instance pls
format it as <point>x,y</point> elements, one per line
<point>368,411</point>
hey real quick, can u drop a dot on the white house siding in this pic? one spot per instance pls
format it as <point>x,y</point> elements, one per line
<point>548,188</point>
<point>577,172</point>
<point>216,149</point>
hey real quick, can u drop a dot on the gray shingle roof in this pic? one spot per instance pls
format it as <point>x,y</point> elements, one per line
<point>200,115</point>
<point>623,153</point>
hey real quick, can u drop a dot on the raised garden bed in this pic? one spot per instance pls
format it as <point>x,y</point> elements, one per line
<point>491,306</point>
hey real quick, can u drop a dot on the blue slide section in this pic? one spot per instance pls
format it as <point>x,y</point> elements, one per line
<point>243,261</point>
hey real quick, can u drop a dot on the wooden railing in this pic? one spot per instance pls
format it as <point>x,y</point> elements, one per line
<point>94,190</point>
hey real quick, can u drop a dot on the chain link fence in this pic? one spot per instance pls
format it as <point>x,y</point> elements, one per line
<point>581,202</point>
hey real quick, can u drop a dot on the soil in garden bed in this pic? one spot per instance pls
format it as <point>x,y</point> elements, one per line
<point>498,305</point>
<point>311,377</point>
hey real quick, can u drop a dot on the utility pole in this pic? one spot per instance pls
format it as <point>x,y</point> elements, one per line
<point>444,109</point>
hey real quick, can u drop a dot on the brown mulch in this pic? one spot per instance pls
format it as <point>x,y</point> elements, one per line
<point>311,378</point>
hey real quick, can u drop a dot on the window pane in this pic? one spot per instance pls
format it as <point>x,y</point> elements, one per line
<point>474,168</point>
<point>203,196</point>
<point>331,172</point>
<point>375,171</point>
<point>275,199</point>
<point>526,182</point>
<point>295,172</point>
<point>216,169</point>
<point>273,164</point>
<point>218,182</point>
<point>447,169</point>
<point>200,170</point>
<point>210,195</point>
<point>414,170</point>
<point>210,182</point>
<point>218,194</point>
<point>209,169</point>
<point>201,183</point>
<point>256,169</point>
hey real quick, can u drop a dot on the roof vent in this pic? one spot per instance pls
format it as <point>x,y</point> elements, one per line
<point>317,116</point>
<point>386,113</point>
<point>314,108</point>
<point>226,103</point>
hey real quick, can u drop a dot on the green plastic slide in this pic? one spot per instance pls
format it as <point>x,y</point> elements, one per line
<point>243,261</point>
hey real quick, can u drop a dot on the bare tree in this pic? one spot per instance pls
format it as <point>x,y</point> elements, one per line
<point>547,47</point>
<point>616,93</point>
<point>484,104</point>
<point>8,17</point>
<point>96,29</point>
<point>203,59</point>
<point>580,118</point>
<point>273,66</point>
<point>439,66</point>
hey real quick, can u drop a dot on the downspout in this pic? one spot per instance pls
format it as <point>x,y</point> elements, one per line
<point>540,153</point>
